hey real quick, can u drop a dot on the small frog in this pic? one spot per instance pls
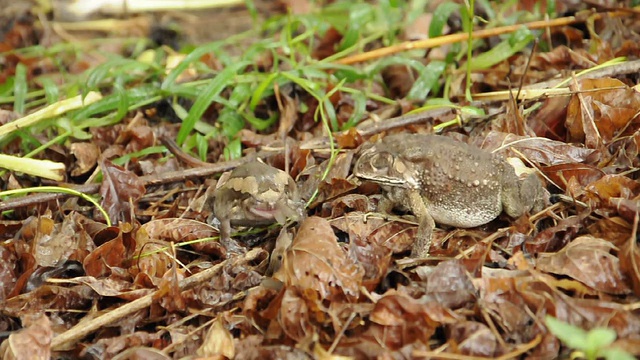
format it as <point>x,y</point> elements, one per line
<point>255,194</point>
<point>447,182</point>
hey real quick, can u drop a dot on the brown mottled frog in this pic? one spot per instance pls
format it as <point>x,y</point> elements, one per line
<point>447,182</point>
<point>255,194</point>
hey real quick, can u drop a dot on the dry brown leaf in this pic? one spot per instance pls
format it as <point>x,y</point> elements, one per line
<point>399,80</point>
<point>316,261</point>
<point>396,236</point>
<point>111,253</point>
<point>616,193</point>
<point>296,311</point>
<point>449,284</point>
<point>111,287</point>
<point>328,44</point>
<point>602,111</point>
<point>142,353</point>
<point>348,203</point>
<point>253,347</point>
<point>614,186</point>
<point>32,342</point>
<point>583,175</point>
<point>66,241</point>
<point>473,338</point>
<point>217,341</point>
<point>588,260</point>
<point>8,272</point>
<point>178,230</point>
<point>399,320</point>
<point>536,149</point>
<point>86,155</point>
<point>120,189</point>
<point>630,258</point>
<point>614,229</point>
<point>48,298</point>
<point>556,237</point>
<point>110,346</point>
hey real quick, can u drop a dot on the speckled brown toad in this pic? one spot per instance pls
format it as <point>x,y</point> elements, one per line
<point>447,182</point>
<point>255,194</point>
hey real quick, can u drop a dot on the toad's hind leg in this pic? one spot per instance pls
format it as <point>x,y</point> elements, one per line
<point>426,224</point>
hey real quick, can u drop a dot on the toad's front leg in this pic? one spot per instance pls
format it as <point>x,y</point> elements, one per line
<point>426,224</point>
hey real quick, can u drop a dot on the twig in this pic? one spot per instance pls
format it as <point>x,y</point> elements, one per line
<point>83,329</point>
<point>401,121</point>
<point>164,178</point>
<point>480,34</point>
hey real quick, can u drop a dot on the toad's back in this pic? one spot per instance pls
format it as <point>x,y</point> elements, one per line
<point>461,185</point>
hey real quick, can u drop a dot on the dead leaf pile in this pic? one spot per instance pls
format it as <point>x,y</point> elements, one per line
<point>156,283</point>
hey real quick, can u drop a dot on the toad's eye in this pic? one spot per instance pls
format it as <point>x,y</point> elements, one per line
<point>381,162</point>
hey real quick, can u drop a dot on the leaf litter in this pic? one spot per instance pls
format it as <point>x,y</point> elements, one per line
<point>158,284</point>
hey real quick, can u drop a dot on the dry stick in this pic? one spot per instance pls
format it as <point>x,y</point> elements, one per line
<point>404,120</point>
<point>164,178</point>
<point>81,330</point>
<point>480,34</point>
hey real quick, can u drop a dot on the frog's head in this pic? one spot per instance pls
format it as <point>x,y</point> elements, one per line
<point>382,165</point>
<point>256,193</point>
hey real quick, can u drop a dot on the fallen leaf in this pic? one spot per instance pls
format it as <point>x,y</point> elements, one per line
<point>86,155</point>
<point>588,260</point>
<point>120,188</point>
<point>32,342</point>
<point>398,320</point>
<point>449,284</point>
<point>607,104</point>
<point>217,341</point>
<point>473,338</point>
<point>316,261</point>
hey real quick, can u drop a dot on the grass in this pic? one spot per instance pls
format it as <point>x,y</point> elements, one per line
<point>142,78</point>
<point>591,345</point>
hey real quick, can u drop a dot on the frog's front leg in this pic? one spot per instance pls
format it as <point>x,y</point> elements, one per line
<point>426,224</point>
<point>232,246</point>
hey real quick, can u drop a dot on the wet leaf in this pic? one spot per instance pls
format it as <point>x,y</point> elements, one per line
<point>66,241</point>
<point>111,253</point>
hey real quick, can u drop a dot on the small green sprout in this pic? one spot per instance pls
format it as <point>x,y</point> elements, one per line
<point>591,345</point>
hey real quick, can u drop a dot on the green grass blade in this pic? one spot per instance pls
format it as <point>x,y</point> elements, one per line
<point>206,97</point>
<point>20,89</point>
<point>505,49</point>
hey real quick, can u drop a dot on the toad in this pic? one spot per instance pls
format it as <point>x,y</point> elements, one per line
<point>444,181</point>
<point>255,194</point>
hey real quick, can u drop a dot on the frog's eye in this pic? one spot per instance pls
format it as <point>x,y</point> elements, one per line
<point>381,161</point>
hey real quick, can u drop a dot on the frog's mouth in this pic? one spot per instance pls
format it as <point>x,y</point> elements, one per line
<point>264,210</point>
<point>279,211</point>
<point>386,180</point>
